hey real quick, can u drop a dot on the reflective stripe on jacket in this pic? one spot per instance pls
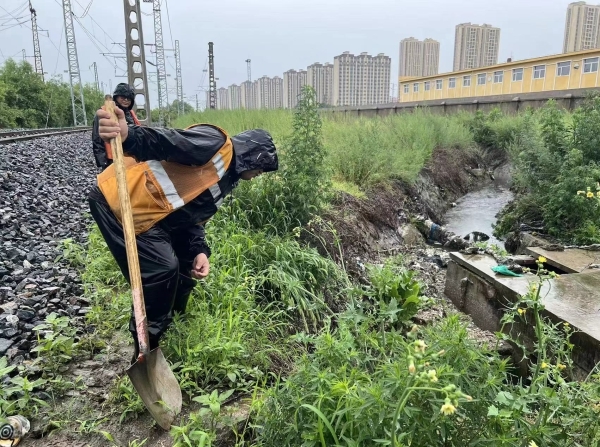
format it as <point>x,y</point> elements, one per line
<point>158,188</point>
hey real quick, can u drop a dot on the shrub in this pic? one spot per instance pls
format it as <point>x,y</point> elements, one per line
<point>554,159</point>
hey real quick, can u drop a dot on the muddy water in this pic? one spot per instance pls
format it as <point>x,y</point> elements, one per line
<point>477,211</point>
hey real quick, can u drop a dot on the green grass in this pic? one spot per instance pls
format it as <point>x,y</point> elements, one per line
<point>277,122</point>
<point>360,151</point>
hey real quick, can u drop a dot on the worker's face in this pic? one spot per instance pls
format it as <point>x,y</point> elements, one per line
<point>122,101</point>
<point>249,175</point>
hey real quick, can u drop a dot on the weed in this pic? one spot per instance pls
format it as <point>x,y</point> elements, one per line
<point>56,343</point>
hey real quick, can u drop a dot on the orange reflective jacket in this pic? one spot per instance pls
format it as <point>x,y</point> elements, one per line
<point>157,188</point>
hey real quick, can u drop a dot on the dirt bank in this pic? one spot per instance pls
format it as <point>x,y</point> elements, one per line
<point>380,224</point>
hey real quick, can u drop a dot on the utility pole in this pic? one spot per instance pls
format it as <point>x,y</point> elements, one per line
<point>96,75</point>
<point>249,70</point>
<point>161,69</point>
<point>77,101</point>
<point>24,54</point>
<point>180,109</point>
<point>197,103</point>
<point>37,54</point>
<point>212,83</point>
<point>136,57</point>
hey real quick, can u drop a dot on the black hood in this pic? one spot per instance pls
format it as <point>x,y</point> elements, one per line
<point>126,91</point>
<point>254,149</point>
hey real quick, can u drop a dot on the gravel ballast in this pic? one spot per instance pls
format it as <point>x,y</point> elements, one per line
<point>43,201</point>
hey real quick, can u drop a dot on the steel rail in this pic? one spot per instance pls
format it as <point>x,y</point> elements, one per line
<point>14,136</point>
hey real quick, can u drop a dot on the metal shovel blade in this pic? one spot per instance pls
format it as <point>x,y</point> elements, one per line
<point>157,386</point>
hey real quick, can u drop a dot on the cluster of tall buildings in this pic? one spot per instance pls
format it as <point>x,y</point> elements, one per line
<point>350,81</point>
<point>355,80</point>
<point>475,46</point>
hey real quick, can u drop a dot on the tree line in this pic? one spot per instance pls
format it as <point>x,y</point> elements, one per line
<point>26,101</point>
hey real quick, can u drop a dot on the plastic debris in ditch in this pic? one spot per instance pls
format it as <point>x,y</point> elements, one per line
<point>12,430</point>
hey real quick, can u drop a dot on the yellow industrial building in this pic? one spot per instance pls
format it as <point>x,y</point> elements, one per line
<point>557,72</point>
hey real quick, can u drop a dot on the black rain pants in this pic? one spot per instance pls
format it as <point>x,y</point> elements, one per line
<point>165,268</point>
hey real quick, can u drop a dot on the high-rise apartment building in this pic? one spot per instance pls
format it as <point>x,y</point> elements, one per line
<point>293,81</point>
<point>234,97</point>
<point>361,80</point>
<point>419,58</point>
<point>320,77</point>
<point>248,97</point>
<point>262,90</point>
<point>582,28</point>
<point>476,46</point>
<point>269,92</point>
<point>276,96</point>
<point>222,99</point>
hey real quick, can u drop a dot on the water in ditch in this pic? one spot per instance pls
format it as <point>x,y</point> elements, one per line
<point>477,211</point>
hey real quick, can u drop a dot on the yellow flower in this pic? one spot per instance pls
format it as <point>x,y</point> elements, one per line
<point>532,444</point>
<point>560,366</point>
<point>590,195</point>
<point>432,375</point>
<point>544,365</point>
<point>521,311</point>
<point>447,409</point>
<point>541,259</point>
<point>420,346</point>
<point>411,367</point>
<point>566,325</point>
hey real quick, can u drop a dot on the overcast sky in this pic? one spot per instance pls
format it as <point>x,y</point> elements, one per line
<point>276,35</point>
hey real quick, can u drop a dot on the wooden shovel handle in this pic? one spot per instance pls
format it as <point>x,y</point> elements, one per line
<point>135,278</point>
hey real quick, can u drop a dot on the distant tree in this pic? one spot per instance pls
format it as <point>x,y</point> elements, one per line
<point>27,101</point>
<point>172,112</point>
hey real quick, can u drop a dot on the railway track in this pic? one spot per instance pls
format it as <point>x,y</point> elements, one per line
<point>13,136</point>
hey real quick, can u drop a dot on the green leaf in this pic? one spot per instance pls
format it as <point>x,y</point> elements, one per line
<point>492,410</point>
<point>325,421</point>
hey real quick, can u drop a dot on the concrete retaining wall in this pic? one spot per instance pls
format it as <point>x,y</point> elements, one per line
<point>510,104</point>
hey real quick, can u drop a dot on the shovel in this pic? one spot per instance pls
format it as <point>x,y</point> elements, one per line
<point>150,374</point>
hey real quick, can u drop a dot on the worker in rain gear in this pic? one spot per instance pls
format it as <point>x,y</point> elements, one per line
<point>124,98</point>
<point>177,180</point>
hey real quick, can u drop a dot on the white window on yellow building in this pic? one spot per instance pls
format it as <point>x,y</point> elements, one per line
<point>590,65</point>
<point>466,81</point>
<point>416,87</point>
<point>452,83</point>
<point>517,74</point>
<point>563,69</point>
<point>427,86</point>
<point>498,77</point>
<point>539,72</point>
<point>481,78</point>
<point>406,88</point>
<point>439,84</point>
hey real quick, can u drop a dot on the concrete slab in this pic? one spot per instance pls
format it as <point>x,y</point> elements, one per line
<point>573,298</point>
<point>572,260</point>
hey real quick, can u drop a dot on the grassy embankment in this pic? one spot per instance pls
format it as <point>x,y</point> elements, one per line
<point>325,361</point>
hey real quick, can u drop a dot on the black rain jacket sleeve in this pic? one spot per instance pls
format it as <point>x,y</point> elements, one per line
<point>195,146</point>
<point>192,237</point>
<point>98,146</point>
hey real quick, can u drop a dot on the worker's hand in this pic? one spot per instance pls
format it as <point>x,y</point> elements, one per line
<point>108,129</point>
<point>200,267</point>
